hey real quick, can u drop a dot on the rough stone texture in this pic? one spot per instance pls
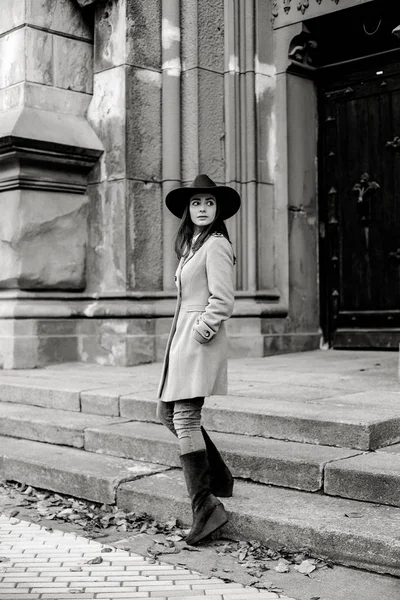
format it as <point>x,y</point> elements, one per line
<point>275,462</point>
<point>140,407</point>
<point>41,392</point>
<point>37,225</point>
<point>287,518</point>
<point>12,14</point>
<point>265,236</point>
<point>128,33</point>
<point>42,97</point>
<point>111,37</point>
<point>59,15</point>
<point>18,349</point>
<point>39,56</point>
<point>202,26</point>
<point>106,401</point>
<point>144,236</point>
<point>303,223</point>
<point>107,115</point>
<point>115,342</point>
<point>143,124</point>
<point>68,470</point>
<point>73,64</point>
<point>12,50</point>
<point>371,477</point>
<point>107,237</point>
<point>52,426</point>
<point>203,123</point>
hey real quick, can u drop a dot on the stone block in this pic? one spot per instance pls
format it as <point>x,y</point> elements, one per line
<point>111,35</point>
<point>40,225</point>
<point>39,56</point>
<point>139,349</point>
<point>373,477</point>
<point>265,237</point>
<point>139,407</point>
<point>143,124</point>
<point>64,428</point>
<point>73,64</point>
<point>202,26</point>
<point>287,464</point>
<point>56,100</point>
<point>52,349</point>
<point>39,392</point>
<point>203,124</point>
<point>143,20</point>
<point>108,346</point>
<point>105,401</point>
<point>12,15</point>
<point>69,470</point>
<point>59,15</point>
<point>12,51</point>
<point>280,517</point>
<point>13,96</point>
<point>107,115</point>
<point>265,83</point>
<point>128,33</point>
<point>144,236</point>
<point>107,237</point>
<point>296,342</point>
<point>18,353</point>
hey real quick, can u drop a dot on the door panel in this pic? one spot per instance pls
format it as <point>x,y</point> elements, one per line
<point>360,209</point>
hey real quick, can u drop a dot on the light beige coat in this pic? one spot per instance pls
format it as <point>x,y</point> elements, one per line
<point>195,362</point>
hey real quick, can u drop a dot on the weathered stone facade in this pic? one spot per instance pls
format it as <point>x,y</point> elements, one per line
<point>104,106</point>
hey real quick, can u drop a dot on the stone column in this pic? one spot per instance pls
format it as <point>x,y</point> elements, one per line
<point>47,149</point>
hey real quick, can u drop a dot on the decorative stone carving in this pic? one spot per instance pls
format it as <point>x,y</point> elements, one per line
<point>286,5</point>
<point>302,6</point>
<point>302,49</point>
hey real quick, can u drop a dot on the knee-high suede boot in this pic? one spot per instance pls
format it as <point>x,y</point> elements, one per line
<point>208,512</point>
<point>221,480</point>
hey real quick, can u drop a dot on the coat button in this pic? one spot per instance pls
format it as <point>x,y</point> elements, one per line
<point>207,333</point>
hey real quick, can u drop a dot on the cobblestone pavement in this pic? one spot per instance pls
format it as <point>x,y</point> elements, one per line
<point>38,564</point>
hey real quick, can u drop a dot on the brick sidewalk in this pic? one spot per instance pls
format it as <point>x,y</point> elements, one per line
<point>53,565</point>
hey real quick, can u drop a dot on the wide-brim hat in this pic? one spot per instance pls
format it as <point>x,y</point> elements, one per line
<point>227,198</point>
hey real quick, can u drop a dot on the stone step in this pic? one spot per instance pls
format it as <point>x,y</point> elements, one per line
<point>68,470</point>
<point>363,420</point>
<point>353,533</point>
<point>372,477</point>
<point>289,464</point>
<point>345,531</point>
<point>49,425</point>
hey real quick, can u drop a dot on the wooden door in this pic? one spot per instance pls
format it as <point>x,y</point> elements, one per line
<point>360,206</point>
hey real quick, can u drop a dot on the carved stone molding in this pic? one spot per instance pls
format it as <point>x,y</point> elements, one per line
<point>284,6</point>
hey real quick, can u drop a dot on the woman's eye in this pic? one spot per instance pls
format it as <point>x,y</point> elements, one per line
<point>210,203</point>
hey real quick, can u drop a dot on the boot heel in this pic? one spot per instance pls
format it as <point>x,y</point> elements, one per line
<point>215,521</point>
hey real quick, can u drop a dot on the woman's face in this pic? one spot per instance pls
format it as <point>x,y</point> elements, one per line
<point>202,208</point>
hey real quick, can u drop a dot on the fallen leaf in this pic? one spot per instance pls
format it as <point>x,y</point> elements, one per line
<point>282,567</point>
<point>95,561</point>
<point>4,559</point>
<point>353,515</point>
<point>107,550</point>
<point>306,567</point>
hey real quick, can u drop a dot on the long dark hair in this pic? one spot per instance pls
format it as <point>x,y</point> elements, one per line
<point>185,233</point>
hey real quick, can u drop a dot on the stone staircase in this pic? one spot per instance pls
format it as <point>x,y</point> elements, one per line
<point>321,471</point>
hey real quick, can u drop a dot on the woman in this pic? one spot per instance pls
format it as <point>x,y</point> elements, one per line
<point>195,363</point>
